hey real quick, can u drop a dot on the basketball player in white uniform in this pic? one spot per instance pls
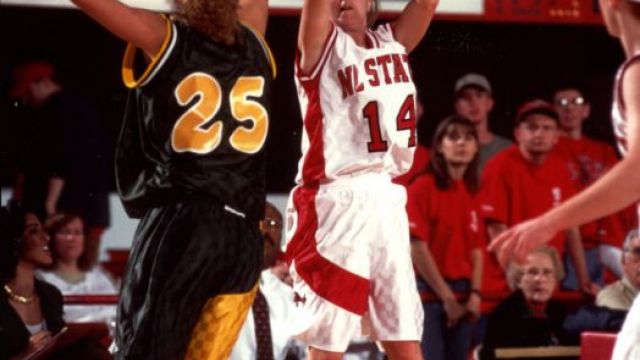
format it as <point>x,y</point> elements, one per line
<point>347,231</point>
<point>618,188</point>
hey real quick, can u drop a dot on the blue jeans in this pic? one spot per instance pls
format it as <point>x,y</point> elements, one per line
<point>594,268</point>
<point>438,341</point>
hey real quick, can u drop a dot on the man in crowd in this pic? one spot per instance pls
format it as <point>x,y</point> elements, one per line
<point>620,294</point>
<point>474,101</point>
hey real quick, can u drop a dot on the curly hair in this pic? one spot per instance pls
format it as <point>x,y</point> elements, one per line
<point>372,14</point>
<point>12,221</point>
<point>216,18</point>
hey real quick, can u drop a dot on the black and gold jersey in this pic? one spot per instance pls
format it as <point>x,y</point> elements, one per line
<point>196,122</point>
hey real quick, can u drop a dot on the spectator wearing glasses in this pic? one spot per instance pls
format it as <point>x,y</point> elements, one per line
<point>524,181</point>
<point>587,159</point>
<point>620,295</point>
<point>529,317</point>
<point>267,331</point>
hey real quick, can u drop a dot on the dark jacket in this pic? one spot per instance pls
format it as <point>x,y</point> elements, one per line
<point>14,336</point>
<point>513,325</point>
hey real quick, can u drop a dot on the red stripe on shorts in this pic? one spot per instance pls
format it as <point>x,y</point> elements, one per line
<point>333,283</point>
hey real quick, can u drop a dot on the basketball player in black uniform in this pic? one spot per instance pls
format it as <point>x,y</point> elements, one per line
<point>190,163</point>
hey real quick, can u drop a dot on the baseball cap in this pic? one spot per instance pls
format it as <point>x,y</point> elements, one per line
<point>537,106</point>
<point>474,80</point>
<point>25,74</point>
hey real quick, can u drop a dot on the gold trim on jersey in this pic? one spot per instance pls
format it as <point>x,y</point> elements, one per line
<point>220,322</point>
<point>128,75</point>
<point>266,48</point>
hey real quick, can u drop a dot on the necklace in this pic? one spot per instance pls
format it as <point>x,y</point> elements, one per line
<point>26,300</point>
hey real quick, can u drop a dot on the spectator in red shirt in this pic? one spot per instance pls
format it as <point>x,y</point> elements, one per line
<point>526,180</point>
<point>587,160</point>
<point>445,243</point>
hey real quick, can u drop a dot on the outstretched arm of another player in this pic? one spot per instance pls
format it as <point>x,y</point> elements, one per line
<point>144,29</point>
<point>254,13</point>
<point>410,27</point>
<point>315,25</point>
<point>618,188</point>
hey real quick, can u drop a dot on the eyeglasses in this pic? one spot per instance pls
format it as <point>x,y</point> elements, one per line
<point>272,223</point>
<point>633,252</point>
<point>565,102</point>
<point>533,272</point>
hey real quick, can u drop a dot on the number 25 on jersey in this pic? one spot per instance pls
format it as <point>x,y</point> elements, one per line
<point>189,133</point>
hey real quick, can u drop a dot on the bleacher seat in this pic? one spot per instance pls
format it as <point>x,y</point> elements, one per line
<point>597,345</point>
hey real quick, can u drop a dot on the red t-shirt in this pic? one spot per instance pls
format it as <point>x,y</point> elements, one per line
<point>447,220</point>
<point>419,165</point>
<point>587,160</point>
<point>617,226</point>
<point>515,190</point>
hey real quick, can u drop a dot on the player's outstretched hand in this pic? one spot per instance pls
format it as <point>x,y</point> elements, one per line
<point>515,243</point>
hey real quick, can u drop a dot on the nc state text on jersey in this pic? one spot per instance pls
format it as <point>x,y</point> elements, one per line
<point>377,71</point>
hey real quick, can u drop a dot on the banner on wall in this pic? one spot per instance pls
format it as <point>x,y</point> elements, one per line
<point>583,12</point>
<point>458,7</point>
<point>578,12</point>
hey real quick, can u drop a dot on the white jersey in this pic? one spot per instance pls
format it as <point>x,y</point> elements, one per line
<point>358,109</point>
<point>618,113</point>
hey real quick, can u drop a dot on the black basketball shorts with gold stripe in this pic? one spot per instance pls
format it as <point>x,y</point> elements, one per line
<point>189,283</point>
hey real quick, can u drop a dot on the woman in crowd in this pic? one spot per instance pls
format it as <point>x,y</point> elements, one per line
<point>358,100</point>
<point>70,272</point>
<point>529,317</point>
<point>446,250</point>
<point>30,309</point>
<point>615,190</point>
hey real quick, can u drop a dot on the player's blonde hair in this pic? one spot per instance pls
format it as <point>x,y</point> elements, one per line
<point>216,18</point>
<point>372,14</point>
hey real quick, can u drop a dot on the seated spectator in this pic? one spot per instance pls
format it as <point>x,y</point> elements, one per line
<point>267,332</point>
<point>529,317</point>
<point>70,272</point>
<point>620,294</point>
<point>31,309</point>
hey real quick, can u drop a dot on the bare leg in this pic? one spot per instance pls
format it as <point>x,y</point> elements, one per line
<point>402,350</point>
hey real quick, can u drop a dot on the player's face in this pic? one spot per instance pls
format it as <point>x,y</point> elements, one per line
<point>351,15</point>
<point>539,279</point>
<point>35,243</point>
<point>69,241</point>
<point>572,108</point>
<point>474,104</point>
<point>458,147</point>
<point>537,135</point>
<point>631,262</point>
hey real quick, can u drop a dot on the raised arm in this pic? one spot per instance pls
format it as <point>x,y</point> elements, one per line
<point>255,14</point>
<point>410,27</point>
<point>315,25</point>
<point>144,29</point>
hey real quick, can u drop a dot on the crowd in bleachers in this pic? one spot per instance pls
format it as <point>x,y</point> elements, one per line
<point>463,192</point>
